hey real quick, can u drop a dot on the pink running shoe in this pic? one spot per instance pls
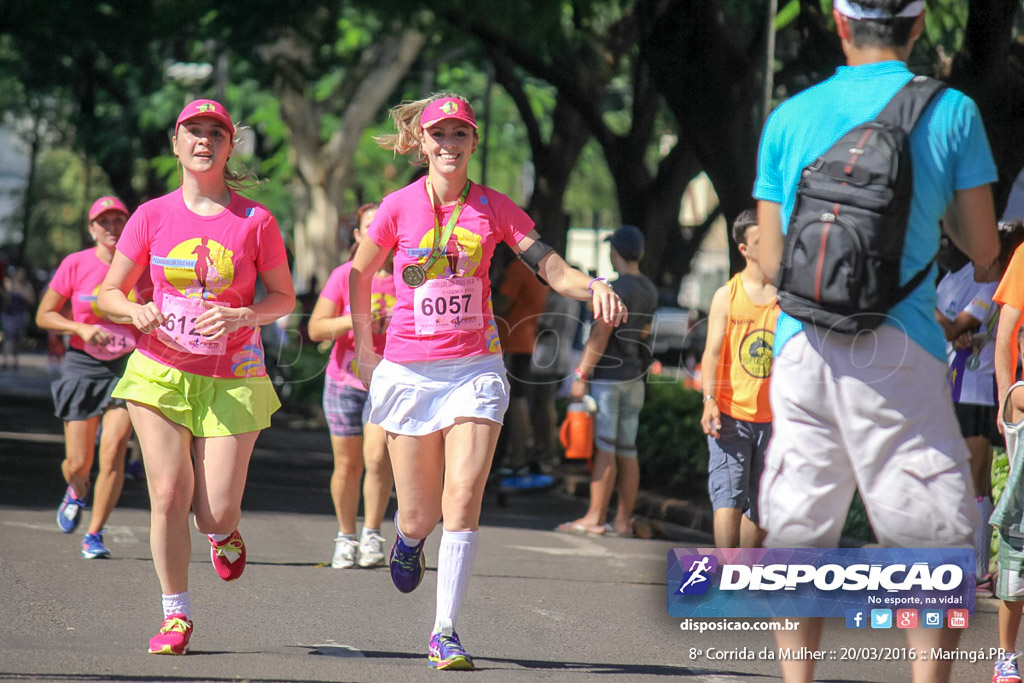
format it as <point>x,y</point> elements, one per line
<point>228,556</point>
<point>173,636</point>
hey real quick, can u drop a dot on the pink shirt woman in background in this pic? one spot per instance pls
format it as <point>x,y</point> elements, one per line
<point>82,396</point>
<point>440,391</point>
<point>196,386</point>
<point>358,445</point>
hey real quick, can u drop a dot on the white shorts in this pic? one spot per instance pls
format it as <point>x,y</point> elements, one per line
<point>874,413</point>
<point>424,397</point>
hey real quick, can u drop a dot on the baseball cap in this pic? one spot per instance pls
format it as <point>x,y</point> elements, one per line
<point>628,241</point>
<point>447,108</point>
<point>104,204</point>
<point>209,108</point>
<point>854,10</point>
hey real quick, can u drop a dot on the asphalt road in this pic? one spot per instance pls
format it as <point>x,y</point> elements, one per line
<point>540,605</point>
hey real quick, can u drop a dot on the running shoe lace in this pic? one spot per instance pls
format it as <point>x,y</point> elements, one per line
<point>1006,668</point>
<point>176,624</point>
<point>453,646</point>
<point>235,546</point>
<point>408,561</point>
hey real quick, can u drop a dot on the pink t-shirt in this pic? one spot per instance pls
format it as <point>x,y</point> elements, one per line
<point>78,278</point>
<point>193,258</point>
<point>382,303</point>
<point>449,315</point>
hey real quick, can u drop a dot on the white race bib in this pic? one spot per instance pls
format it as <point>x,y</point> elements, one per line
<point>449,304</point>
<point>120,343</point>
<point>179,329</point>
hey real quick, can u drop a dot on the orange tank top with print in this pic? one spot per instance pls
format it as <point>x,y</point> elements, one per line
<point>746,363</point>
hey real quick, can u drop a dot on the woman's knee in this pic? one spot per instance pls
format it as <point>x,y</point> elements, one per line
<point>350,468</point>
<point>418,522</point>
<point>222,520</point>
<point>169,499</point>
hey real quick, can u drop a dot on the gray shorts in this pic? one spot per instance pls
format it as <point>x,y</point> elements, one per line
<point>872,412</point>
<point>618,415</point>
<point>736,463</point>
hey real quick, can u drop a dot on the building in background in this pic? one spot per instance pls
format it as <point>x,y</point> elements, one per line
<point>13,178</point>
<point>710,267</point>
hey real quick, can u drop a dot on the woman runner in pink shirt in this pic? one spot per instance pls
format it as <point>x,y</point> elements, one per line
<point>89,371</point>
<point>440,390</point>
<point>358,445</point>
<point>196,386</point>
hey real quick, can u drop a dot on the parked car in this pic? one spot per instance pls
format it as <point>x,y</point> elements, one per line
<point>677,336</point>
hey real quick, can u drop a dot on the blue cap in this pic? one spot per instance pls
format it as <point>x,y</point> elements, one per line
<point>628,241</point>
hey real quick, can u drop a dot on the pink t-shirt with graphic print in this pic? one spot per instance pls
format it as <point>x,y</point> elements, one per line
<point>212,258</point>
<point>382,304</point>
<point>78,279</point>
<point>449,315</point>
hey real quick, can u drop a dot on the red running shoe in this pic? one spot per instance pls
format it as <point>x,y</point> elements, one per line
<point>173,636</point>
<point>228,556</point>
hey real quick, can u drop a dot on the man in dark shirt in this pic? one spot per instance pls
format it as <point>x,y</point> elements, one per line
<point>616,361</point>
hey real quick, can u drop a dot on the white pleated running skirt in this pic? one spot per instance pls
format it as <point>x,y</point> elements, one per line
<point>424,397</point>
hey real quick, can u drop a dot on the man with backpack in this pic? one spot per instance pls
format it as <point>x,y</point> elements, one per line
<point>859,394</point>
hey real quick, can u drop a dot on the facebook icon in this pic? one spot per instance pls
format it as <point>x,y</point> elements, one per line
<point>855,618</point>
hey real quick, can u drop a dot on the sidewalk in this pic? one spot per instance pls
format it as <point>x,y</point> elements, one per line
<point>656,516</point>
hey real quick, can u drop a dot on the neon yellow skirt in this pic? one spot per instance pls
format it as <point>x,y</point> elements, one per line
<point>206,406</point>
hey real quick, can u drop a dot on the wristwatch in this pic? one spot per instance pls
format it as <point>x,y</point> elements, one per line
<point>578,376</point>
<point>706,397</point>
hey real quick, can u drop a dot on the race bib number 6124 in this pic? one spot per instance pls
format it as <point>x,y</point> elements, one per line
<point>179,328</point>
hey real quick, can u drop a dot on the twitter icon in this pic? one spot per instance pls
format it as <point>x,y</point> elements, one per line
<point>881,618</point>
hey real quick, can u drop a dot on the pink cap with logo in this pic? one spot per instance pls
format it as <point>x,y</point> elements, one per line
<point>447,108</point>
<point>210,108</point>
<point>104,204</point>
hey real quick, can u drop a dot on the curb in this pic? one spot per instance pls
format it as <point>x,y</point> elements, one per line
<point>676,519</point>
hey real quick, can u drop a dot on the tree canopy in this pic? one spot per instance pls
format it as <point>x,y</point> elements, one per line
<point>590,109</point>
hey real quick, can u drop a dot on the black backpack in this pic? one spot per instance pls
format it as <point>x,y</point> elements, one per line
<point>841,256</point>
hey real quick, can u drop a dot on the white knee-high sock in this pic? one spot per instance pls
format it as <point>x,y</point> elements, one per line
<point>177,603</point>
<point>454,566</point>
<point>983,537</point>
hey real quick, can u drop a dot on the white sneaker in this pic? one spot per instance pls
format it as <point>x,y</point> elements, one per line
<point>346,551</point>
<point>371,550</point>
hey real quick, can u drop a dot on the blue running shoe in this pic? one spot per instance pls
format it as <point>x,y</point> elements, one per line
<point>134,471</point>
<point>70,511</point>
<point>1006,669</point>
<point>407,565</point>
<point>446,652</point>
<point>92,546</point>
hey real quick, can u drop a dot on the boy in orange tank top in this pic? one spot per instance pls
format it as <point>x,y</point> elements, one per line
<point>737,364</point>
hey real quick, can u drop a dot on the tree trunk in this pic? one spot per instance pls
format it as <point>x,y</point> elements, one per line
<point>708,85</point>
<point>982,69</point>
<point>325,167</point>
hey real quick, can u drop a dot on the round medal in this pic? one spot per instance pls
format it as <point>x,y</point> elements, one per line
<point>413,275</point>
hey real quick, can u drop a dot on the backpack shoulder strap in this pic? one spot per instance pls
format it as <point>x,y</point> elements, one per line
<point>910,101</point>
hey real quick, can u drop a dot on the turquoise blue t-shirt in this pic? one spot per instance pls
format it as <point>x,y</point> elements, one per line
<point>949,150</point>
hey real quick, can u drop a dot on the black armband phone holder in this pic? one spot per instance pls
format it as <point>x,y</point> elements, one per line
<point>532,256</point>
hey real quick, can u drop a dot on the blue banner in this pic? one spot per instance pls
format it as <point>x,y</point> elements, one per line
<point>818,582</point>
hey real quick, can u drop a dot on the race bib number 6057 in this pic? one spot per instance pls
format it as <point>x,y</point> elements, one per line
<point>449,304</point>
